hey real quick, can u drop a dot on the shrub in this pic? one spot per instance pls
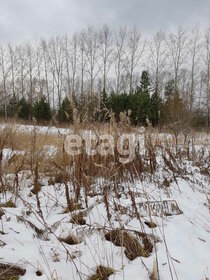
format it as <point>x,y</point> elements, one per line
<point>173,109</point>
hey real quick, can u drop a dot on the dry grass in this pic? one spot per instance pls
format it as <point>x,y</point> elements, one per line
<point>80,178</point>
<point>78,219</point>
<point>70,239</point>
<point>102,273</point>
<point>133,248</point>
<point>10,271</point>
<point>8,204</point>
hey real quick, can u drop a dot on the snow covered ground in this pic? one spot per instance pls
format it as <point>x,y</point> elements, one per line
<point>183,250</point>
<point>30,235</point>
<point>52,130</point>
<point>39,129</point>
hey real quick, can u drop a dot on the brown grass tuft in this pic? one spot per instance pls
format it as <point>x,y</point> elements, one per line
<point>78,219</point>
<point>133,248</point>
<point>10,271</point>
<point>102,273</point>
<point>8,204</point>
<point>70,239</point>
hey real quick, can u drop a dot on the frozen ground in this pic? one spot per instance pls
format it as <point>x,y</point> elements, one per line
<point>181,239</point>
<point>184,246</point>
<point>52,130</point>
<point>39,129</point>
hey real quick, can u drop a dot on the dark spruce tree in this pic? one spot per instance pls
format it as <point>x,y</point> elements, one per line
<point>118,103</point>
<point>145,82</point>
<point>42,110</point>
<point>140,106</point>
<point>140,101</point>
<point>23,109</point>
<point>12,107</point>
<point>155,109</point>
<point>65,113</point>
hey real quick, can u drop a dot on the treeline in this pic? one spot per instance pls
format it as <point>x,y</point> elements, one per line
<point>96,71</point>
<point>143,107</point>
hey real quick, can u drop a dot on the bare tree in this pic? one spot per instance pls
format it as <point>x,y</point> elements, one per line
<point>177,49</point>
<point>120,56</point>
<point>106,50</point>
<point>67,64</point>
<point>39,69</point>
<point>194,50</point>
<point>157,58</point>
<point>135,50</point>
<point>56,59</point>
<point>82,60</point>
<point>46,67</point>
<point>92,54</point>
<point>74,57</point>
<point>21,69</point>
<point>5,70</point>
<point>207,75</point>
<point>13,63</point>
<point>31,72</point>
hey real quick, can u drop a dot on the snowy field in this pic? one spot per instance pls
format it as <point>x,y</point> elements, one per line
<point>39,129</point>
<point>153,224</point>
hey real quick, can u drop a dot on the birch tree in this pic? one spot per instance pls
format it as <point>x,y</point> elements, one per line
<point>31,72</point>
<point>92,54</point>
<point>106,51</point>
<point>56,60</point>
<point>21,69</point>
<point>13,66</point>
<point>45,67</point>
<point>74,57</point>
<point>157,58</point>
<point>134,54</point>
<point>194,54</point>
<point>177,50</point>
<point>207,75</point>
<point>120,56</point>
<point>82,63</point>
<point>5,70</point>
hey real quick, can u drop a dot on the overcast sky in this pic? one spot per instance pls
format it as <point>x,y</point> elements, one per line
<point>22,20</point>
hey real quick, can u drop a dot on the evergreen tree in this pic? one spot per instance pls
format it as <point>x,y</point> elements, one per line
<point>65,113</point>
<point>145,82</point>
<point>23,109</point>
<point>155,105</point>
<point>12,107</point>
<point>140,101</point>
<point>42,110</point>
<point>118,103</point>
<point>140,106</point>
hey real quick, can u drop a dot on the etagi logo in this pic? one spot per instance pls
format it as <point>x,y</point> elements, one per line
<point>103,144</point>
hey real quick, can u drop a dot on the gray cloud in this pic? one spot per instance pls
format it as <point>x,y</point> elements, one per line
<point>22,20</point>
